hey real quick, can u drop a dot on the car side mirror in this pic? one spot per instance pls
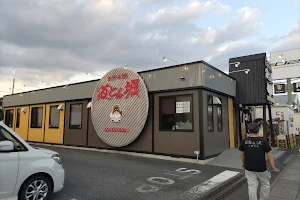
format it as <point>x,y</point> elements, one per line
<point>7,146</point>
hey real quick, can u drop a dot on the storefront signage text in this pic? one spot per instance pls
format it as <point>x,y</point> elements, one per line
<point>109,92</point>
<point>124,130</point>
<point>114,77</point>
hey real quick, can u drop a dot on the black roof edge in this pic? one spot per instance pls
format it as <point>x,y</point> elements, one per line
<point>48,88</point>
<point>248,57</point>
<point>139,72</point>
<point>194,62</point>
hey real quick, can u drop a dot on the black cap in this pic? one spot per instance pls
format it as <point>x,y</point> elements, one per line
<point>253,128</point>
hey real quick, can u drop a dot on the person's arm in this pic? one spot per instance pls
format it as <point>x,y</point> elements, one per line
<point>271,160</point>
<point>242,154</point>
<point>242,157</point>
<point>270,157</point>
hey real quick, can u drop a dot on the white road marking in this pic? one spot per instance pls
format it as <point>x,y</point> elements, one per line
<point>146,188</point>
<point>180,177</point>
<point>185,170</point>
<point>163,181</point>
<point>204,187</point>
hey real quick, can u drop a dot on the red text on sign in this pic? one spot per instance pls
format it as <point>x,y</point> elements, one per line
<point>109,92</point>
<point>123,130</point>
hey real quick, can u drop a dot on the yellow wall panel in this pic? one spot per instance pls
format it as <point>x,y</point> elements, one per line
<point>231,122</point>
<point>36,134</point>
<point>24,121</point>
<point>54,135</point>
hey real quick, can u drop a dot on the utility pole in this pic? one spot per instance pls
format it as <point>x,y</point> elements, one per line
<point>13,87</point>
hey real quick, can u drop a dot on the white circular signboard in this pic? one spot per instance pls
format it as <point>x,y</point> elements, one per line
<point>120,107</point>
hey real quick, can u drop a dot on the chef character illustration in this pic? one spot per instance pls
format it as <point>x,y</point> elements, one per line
<point>116,113</point>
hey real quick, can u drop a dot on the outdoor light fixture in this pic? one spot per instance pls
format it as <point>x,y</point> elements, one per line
<point>93,74</point>
<point>126,66</point>
<point>165,58</point>
<point>243,70</point>
<point>182,78</point>
<point>66,86</point>
<point>49,82</point>
<point>247,71</point>
<point>31,86</point>
<point>236,64</point>
<point>282,59</point>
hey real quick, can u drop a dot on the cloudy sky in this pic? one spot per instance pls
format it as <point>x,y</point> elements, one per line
<point>60,40</point>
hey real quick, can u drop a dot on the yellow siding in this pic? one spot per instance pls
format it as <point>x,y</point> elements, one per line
<point>24,122</point>
<point>231,122</point>
<point>54,135</point>
<point>14,118</point>
<point>36,134</point>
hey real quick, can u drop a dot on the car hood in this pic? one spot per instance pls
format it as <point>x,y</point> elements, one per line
<point>47,151</point>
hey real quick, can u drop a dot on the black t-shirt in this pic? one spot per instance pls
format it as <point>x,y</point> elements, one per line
<point>255,149</point>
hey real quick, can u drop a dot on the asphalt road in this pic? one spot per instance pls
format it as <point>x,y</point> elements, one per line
<point>103,176</point>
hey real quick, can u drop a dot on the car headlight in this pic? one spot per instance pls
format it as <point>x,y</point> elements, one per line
<point>56,158</point>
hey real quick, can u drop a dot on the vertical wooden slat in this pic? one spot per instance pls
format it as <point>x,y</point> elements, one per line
<point>231,122</point>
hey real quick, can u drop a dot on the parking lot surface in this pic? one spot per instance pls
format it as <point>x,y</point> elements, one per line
<point>95,175</point>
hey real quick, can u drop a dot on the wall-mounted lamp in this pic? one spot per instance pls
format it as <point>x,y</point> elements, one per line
<point>87,73</point>
<point>281,57</point>
<point>66,86</point>
<point>60,107</point>
<point>243,70</point>
<point>89,105</point>
<point>126,66</point>
<point>31,86</point>
<point>236,64</point>
<point>49,82</point>
<point>182,78</point>
<point>23,110</point>
<point>165,58</point>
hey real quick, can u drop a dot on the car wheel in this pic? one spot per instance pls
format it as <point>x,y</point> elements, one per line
<point>36,188</point>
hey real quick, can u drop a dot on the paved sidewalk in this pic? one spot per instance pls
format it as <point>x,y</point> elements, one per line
<point>287,186</point>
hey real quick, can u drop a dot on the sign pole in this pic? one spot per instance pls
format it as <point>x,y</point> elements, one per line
<point>289,91</point>
<point>265,121</point>
<point>271,126</point>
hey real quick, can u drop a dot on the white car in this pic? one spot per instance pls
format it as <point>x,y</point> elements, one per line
<point>27,173</point>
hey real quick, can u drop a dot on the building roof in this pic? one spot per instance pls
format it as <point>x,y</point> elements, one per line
<point>196,75</point>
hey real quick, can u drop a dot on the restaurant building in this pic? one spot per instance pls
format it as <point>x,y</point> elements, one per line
<point>176,110</point>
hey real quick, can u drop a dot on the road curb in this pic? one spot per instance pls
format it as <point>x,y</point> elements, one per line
<point>286,167</point>
<point>144,155</point>
<point>226,188</point>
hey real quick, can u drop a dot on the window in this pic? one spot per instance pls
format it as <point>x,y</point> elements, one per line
<point>18,118</point>
<point>218,104</point>
<point>214,104</point>
<point>54,117</point>
<point>36,117</point>
<point>176,113</point>
<point>210,114</point>
<point>9,118</point>
<point>5,135</point>
<point>75,116</point>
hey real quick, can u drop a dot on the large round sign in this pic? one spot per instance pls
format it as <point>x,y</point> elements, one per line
<point>120,107</point>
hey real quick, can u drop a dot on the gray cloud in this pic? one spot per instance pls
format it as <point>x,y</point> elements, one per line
<point>41,39</point>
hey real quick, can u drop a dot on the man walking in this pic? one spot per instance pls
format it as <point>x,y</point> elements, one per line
<point>253,150</point>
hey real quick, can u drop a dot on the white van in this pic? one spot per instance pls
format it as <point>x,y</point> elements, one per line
<point>27,173</point>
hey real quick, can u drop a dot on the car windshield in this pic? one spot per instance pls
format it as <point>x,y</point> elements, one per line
<point>5,135</point>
